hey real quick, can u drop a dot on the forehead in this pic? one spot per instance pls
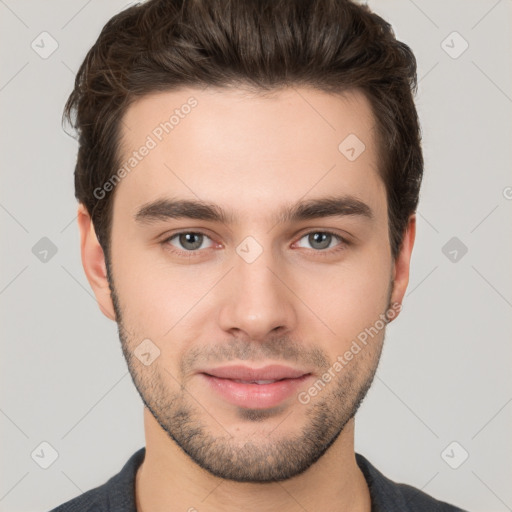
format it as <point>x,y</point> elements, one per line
<point>246,150</point>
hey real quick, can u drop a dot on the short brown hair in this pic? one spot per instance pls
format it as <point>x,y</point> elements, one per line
<point>331,45</point>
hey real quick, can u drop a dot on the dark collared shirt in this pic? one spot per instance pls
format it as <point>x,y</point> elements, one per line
<point>118,493</point>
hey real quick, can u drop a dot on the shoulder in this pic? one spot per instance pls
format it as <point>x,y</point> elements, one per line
<point>94,500</point>
<point>117,494</point>
<point>388,495</point>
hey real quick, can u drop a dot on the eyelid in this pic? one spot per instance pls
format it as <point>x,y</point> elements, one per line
<point>168,237</point>
<point>344,241</point>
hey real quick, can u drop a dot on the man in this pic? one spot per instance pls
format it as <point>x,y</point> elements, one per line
<point>248,175</point>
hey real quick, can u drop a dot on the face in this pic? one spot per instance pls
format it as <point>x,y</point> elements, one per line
<point>244,236</point>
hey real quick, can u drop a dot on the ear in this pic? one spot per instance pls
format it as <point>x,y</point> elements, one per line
<point>93,261</point>
<point>402,262</point>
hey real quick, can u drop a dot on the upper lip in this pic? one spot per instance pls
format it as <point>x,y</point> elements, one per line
<point>271,372</point>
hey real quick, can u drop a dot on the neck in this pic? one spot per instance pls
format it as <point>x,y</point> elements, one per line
<point>169,480</point>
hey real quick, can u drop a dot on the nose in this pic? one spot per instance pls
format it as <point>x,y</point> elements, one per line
<point>257,300</point>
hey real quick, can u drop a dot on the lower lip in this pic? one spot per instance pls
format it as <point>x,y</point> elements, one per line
<point>255,396</point>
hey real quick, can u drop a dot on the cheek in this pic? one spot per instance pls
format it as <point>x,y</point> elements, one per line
<point>351,296</point>
<point>157,299</point>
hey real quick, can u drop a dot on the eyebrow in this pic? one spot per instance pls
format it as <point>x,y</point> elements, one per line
<point>338,206</point>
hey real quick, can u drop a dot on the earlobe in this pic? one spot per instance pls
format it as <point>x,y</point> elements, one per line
<point>401,265</point>
<point>93,261</point>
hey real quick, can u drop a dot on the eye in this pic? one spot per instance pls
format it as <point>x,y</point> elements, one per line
<point>189,241</point>
<point>321,240</point>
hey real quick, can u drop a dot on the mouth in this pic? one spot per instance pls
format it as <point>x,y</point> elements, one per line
<point>248,374</point>
<point>255,388</point>
<point>260,382</point>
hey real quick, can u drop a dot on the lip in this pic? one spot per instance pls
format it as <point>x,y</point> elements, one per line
<point>270,372</point>
<point>255,396</point>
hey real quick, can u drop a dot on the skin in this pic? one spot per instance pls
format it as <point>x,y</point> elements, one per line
<point>297,304</point>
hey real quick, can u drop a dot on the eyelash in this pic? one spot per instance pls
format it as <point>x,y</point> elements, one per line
<point>192,254</point>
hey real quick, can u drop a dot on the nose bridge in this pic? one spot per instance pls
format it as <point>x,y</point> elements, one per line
<point>258,301</point>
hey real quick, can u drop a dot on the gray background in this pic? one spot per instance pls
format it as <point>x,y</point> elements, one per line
<point>445,373</point>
